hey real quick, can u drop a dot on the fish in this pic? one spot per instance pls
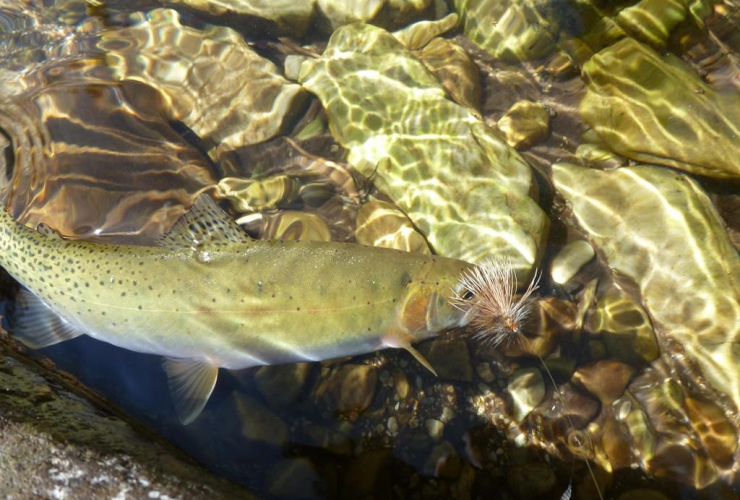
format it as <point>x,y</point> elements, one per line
<point>206,296</point>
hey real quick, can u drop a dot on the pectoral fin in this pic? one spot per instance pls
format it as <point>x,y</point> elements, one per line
<point>37,325</point>
<point>401,339</point>
<point>191,383</point>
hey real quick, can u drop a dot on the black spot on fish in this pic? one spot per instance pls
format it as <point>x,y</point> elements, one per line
<point>123,294</point>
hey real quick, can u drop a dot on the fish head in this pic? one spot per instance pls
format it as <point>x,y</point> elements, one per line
<point>429,306</point>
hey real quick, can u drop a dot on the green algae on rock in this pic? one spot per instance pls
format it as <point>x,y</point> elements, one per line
<point>513,30</point>
<point>212,81</point>
<point>655,109</point>
<point>657,228</point>
<point>456,179</point>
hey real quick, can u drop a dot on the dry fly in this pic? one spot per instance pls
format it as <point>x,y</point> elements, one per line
<point>488,290</point>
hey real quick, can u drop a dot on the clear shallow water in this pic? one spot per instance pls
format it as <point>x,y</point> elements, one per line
<point>131,148</point>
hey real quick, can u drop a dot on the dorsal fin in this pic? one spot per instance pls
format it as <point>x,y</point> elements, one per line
<point>191,383</point>
<point>205,222</point>
<point>36,325</point>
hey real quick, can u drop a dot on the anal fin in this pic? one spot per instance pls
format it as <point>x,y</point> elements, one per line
<point>36,325</point>
<point>401,339</point>
<point>191,383</point>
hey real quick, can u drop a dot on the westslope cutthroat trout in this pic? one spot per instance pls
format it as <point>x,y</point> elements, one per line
<point>209,297</point>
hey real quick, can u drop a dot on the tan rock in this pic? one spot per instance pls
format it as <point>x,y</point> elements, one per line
<point>211,79</point>
<point>606,379</point>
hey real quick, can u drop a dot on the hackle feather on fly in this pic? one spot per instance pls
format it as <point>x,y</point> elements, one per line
<point>490,290</point>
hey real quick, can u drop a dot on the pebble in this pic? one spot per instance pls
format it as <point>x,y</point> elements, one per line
<point>527,390</point>
<point>569,260</point>
<point>606,379</point>
<point>401,383</point>
<point>435,428</point>
<point>484,372</point>
<point>392,426</point>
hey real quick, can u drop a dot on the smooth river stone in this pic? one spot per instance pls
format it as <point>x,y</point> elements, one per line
<point>525,124</point>
<point>285,17</point>
<point>67,143</point>
<point>653,21</point>
<point>417,35</point>
<point>455,70</point>
<point>514,30</point>
<point>463,187</point>
<point>382,224</point>
<point>211,79</point>
<point>569,260</point>
<point>391,14</point>
<point>657,228</point>
<point>656,109</point>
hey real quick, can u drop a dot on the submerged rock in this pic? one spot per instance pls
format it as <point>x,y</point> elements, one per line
<point>656,109</point>
<point>716,432</point>
<point>419,34</point>
<point>624,327</point>
<point>525,124</point>
<point>251,195</point>
<point>514,30</point>
<point>658,229</point>
<point>654,21</point>
<point>527,389</point>
<point>455,70</point>
<point>390,14</point>
<point>68,141</point>
<point>569,261</point>
<point>350,388</point>
<point>382,224</point>
<point>212,81</point>
<point>606,379</point>
<point>461,185</point>
<point>288,225</point>
<point>286,17</point>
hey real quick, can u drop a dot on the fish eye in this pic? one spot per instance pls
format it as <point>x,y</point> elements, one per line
<point>467,294</point>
